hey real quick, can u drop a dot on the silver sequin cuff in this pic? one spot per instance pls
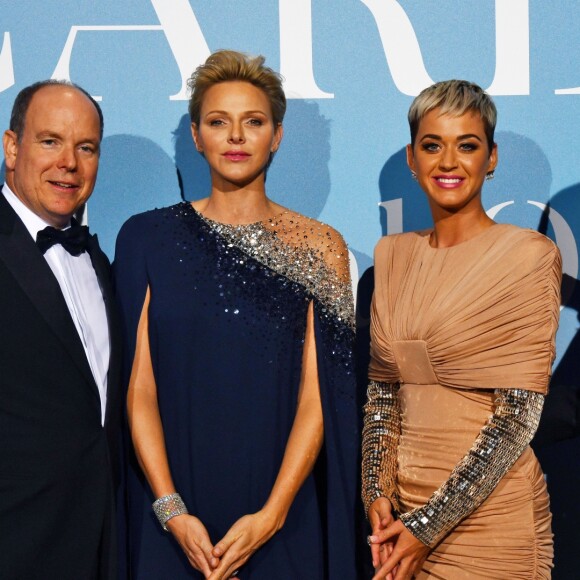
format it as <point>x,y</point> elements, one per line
<point>498,446</point>
<point>381,432</point>
<point>168,507</point>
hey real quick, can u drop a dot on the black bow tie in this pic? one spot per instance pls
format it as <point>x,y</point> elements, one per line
<point>73,240</point>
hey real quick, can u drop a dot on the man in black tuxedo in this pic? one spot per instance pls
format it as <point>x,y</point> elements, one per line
<point>59,354</point>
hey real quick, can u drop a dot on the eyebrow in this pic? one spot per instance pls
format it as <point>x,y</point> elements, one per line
<point>252,112</point>
<point>460,138</point>
<point>46,133</point>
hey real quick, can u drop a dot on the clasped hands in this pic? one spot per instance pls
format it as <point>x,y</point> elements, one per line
<point>396,553</point>
<point>222,561</point>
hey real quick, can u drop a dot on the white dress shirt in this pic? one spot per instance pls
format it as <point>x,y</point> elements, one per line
<point>80,287</point>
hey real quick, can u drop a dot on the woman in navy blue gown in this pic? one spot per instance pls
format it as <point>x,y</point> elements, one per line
<point>239,326</point>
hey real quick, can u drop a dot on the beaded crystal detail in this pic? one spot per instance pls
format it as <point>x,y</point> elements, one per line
<point>498,446</point>
<point>380,439</point>
<point>303,250</point>
<point>168,507</point>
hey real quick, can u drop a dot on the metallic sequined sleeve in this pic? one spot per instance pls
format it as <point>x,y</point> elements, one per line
<point>381,431</point>
<point>498,446</point>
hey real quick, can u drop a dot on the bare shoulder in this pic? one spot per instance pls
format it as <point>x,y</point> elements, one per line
<point>319,239</point>
<point>313,233</point>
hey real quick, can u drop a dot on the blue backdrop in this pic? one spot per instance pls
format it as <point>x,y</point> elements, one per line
<point>352,68</point>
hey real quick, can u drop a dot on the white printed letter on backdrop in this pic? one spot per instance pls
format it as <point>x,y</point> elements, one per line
<point>296,50</point>
<point>181,29</point>
<point>6,65</point>
<point>403,53</point>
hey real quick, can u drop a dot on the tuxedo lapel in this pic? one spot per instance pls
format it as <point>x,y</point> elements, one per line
<point>19,253</point>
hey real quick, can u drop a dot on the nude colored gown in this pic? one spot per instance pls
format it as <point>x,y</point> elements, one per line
<point>451,325</point>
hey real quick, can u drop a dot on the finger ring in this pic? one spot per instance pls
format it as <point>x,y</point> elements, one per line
<point>235,573</point>
<point>369,541</point>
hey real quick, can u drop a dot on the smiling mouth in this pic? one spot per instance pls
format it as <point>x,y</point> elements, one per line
<point>64,185</point>
<point>449,180</point>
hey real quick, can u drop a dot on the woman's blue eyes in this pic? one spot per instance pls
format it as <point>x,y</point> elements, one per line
<point>252,122</point>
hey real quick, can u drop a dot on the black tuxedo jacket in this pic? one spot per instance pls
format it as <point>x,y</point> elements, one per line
<point>57,463</point>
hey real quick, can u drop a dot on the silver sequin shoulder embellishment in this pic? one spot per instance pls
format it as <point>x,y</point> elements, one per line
<point>303,250</point>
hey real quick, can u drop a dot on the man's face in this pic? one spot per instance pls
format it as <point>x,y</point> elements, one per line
<point>52,166</point>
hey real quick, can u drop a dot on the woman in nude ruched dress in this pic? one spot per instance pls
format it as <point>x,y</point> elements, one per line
<point>462,341</point>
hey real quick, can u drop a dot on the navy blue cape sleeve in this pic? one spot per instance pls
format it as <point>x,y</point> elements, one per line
<point>334,344</point>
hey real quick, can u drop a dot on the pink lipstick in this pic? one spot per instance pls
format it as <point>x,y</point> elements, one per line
<point>236,155</point>
<point>448,181</point>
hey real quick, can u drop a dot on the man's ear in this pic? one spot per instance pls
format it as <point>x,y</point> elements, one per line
<point>10,143</point>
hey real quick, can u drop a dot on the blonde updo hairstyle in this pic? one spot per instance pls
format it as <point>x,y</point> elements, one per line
<point>455,98</point>
<point>230,65</point>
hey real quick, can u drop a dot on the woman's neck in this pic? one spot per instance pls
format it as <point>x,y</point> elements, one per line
<point>456,228</point>
<point>237,207</point>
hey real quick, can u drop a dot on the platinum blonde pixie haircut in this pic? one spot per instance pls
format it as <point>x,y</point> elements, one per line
<point>229,65</point>
<point>455,98</point>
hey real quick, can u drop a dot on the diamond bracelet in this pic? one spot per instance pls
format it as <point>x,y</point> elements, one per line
<point>168,507</point>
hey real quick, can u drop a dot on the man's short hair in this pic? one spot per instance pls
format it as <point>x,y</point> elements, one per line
<point>22,102</point>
